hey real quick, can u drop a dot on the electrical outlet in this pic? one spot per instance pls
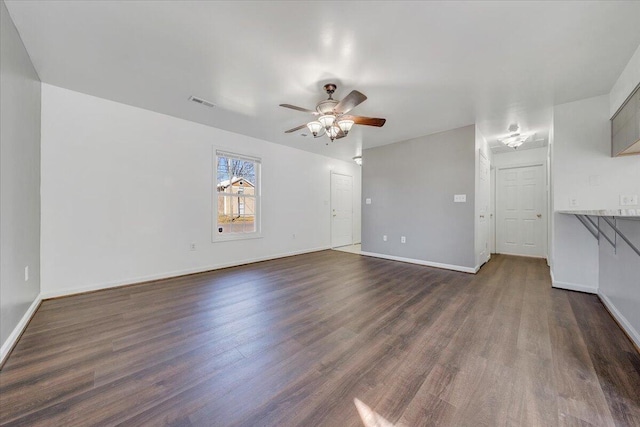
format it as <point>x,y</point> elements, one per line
<point>367,201</point>
<point>573,201</point>
<point>403,239</point>
<point>384,238</point>
<point>628,200</point>
<point>193,246</point>
<point>26,273</point>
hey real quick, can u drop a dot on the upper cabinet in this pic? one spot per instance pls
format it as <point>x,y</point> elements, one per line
<point>625,127</point>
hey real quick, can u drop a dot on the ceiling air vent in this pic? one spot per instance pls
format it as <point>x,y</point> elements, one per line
<point>201,101</point>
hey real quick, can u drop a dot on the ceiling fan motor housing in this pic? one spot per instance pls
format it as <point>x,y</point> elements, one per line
<point>327,106</point>
<point>330,88</point>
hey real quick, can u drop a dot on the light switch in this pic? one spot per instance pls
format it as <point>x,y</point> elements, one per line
<point>460,198</point>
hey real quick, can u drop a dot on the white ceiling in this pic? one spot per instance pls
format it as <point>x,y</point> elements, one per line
<point>425,66</point>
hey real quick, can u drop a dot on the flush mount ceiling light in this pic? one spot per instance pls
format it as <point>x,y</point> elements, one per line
<point>358,160</point>
<point>515,139</point>
<point>332,119</point>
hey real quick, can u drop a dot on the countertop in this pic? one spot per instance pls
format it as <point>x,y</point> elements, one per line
<point>619,213</point>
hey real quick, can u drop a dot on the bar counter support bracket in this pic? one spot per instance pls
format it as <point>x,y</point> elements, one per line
<point>596,231</point>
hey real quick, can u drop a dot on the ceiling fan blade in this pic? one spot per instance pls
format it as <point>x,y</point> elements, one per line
<point>367,121</point>
<point>296,128</point>
<point>350,101</point>
<point>293,107</point>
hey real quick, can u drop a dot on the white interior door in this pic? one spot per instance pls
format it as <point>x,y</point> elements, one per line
<point>341,210</point>
<point>484,194</point>
<point>521,223</point>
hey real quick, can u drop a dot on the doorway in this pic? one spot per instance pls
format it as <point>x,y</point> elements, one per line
<point>521,222</point>
<point>341,210</point>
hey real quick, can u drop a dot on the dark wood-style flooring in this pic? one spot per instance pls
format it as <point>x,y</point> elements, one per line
<point>295,341</point>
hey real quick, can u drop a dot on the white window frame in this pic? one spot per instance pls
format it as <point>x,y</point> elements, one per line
<point>216,236</point>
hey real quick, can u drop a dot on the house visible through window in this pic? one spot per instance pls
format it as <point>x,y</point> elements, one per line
<point>238,196</point>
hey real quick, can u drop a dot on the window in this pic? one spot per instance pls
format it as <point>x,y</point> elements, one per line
<point>237,197</point>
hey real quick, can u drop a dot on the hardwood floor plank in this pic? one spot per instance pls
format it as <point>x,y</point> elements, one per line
<point>579,392</point>
<point>295,341</point>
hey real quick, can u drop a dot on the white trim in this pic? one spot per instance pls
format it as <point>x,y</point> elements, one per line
<point>238,156</point>
<point>624,323</point>
<point>546,208</point>
<point>522,165</point>
<point>8,345</point>
<point>524,256</point>
<point>574,287</point>
<point>422,262</point>
<point>217,237</point>
<point>171,274</point>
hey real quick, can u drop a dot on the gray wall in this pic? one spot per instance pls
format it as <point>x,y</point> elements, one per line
<point>19,178</point>
<point>620,272</point>
<point>411,185</point>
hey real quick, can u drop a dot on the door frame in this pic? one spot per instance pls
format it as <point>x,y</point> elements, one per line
<point>331,173</point>
<point>489,251</point>
<point>545,208</point>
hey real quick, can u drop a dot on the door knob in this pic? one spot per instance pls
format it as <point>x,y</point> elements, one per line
<point>539,215</point>
<point>481,216</point>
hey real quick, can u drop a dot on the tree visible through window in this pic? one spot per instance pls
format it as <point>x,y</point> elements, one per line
<point>237,195</point>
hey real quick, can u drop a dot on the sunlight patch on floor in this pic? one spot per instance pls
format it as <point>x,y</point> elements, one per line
<point>370,418</point>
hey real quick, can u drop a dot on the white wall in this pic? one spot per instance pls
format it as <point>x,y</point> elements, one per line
<point>125,191</point>
<point>583,169</point>
<point>619,275</point>
<point>19,184</point>
<point>619,286</point>
<point>628,80</point>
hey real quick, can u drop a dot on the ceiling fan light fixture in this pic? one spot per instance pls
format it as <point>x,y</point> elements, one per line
<point>345,125</point>
<point>333,131</point>
<point>314,127</point>
<point>327,121</point>
<point>332,115</point>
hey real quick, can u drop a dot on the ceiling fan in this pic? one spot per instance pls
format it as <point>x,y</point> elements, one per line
<point>332,115</point>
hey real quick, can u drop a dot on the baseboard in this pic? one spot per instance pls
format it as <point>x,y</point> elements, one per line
<point>472,270</point>
<point>524,256</point>
<point>574,287</point>
<point>13,338</point>
<point>633,335</point>
<point>169,274</point>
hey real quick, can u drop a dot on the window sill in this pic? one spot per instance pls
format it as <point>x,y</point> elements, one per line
<point>238,236</point>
